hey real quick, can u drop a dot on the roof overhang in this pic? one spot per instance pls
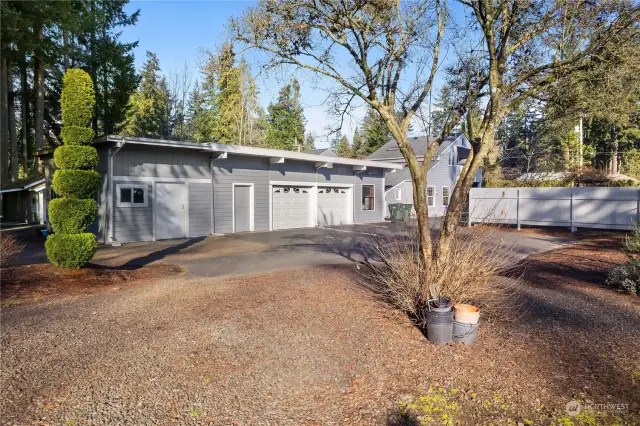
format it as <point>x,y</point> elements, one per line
<point>24,187</point>
<point>278,154</point>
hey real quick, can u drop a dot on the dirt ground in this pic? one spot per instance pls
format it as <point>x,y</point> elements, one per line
<point>23,284</point>
<point>312,346</point>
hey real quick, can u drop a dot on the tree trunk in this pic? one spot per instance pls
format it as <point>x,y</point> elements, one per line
<point>12,123</point>
<point>39,93</point>
<point>65,50</point>
<point>25,116</point>
<point>92,65</point>
<point>460,194</point>
<point>419,182</point>
<point>614,151</point>
<point>4,119</point>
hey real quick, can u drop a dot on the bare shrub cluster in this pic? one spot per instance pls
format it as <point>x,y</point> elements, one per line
<point>470,273</point>
<point>632,240</point>
<point>10,247</point>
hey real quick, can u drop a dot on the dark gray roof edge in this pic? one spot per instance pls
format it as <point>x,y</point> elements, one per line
<point>247,150</point>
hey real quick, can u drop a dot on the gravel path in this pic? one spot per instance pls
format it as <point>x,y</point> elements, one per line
<point>307,346</point>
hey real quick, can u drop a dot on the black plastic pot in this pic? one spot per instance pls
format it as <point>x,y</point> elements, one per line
<point>440,326</point>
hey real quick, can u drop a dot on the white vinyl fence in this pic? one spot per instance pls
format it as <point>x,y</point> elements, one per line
<point>605,208</point>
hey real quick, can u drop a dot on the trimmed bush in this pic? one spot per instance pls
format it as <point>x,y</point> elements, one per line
<point>77,99</point>
<point>76,157</point>
<point>76,183</point>
<point>71,216</point>
<point>76,135</point>
<point>70,250</point>
<point>626,277</point>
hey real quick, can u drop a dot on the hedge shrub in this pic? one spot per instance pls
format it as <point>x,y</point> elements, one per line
<point>76,183</point>
<point>71,216</point>
<point>76,135</point>
<point>77,99</point>
<point>76,157</point>
<point>70,250</point>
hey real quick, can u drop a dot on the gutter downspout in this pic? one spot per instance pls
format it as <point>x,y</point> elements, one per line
<point>112,154</point>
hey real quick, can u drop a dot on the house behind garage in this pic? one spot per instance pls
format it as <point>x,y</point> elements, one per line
<point>443,173</point>
<point>156,189</point>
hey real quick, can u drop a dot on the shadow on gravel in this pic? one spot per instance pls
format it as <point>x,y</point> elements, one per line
<point>160,254</point>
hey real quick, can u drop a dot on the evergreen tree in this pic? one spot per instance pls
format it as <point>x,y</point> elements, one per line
<point>340,145</point>
<point>286,119</point>
<point>357,145</point>
<point>309,142</point>
<point>148,109</point>
<point>374,133</point>
<point>75,180</point>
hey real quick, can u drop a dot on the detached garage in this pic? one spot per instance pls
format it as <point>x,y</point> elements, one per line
<point>156,189</point>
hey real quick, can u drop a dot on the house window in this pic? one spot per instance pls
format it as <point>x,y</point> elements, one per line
<point>398,194</point>
<point>431,196</point>
<point>445,196</point>
<point>132,196</point>
<point>452,157</point>
<point>368,198</point>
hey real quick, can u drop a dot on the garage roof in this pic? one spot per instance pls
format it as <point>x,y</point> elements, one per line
<point>248,150</point>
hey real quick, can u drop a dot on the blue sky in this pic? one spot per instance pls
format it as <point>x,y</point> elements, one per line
<point>179,31</point>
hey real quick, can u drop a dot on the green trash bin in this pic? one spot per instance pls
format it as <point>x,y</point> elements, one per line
<point>406,210</point>
<point>400,211</point>
<point>394,211</point>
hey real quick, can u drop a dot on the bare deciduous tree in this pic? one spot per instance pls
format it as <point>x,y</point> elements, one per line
<point>387,53</point>
<point>383,52</point>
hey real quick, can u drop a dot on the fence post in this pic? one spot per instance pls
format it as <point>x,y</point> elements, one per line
<point>518,210</point>
<point>469,212</point>
<point>638,210</point>
<point>573,227</point>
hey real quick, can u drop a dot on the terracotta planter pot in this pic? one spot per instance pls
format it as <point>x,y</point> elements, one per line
<point>466,314</point>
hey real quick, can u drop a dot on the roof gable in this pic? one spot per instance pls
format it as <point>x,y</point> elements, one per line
<point>390,151</point>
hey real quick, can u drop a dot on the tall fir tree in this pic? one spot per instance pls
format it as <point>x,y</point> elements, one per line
<point>148,109</point>
<point>374,133</point>
<point>340,145</point>
<point>286,119</point>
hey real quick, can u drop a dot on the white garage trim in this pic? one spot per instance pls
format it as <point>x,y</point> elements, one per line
<point>251,204</point>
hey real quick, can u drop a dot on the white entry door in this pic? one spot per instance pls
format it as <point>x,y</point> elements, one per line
<point>171,211</point>
<point>333,206</point>
<point>290,207</point>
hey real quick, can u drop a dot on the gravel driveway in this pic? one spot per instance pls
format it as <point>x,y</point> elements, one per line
<point>299,347</point>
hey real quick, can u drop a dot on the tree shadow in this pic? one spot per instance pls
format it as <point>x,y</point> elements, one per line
<point>142,261</point>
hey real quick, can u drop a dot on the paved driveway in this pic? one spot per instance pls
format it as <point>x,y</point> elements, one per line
<point>256,252</point>
<point>332,246</point>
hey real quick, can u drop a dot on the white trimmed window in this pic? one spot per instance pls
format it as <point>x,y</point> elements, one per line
<point>368,197</point>
<point>445,196</point>
<point>431,196</point>
<point>132,195</point>
<point>398,194</point>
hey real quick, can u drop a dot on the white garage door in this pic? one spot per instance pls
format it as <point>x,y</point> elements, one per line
<point>290,207</point>
<point>333,206</point>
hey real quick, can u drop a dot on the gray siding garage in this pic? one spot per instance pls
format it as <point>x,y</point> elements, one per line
<point>155,189</point>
